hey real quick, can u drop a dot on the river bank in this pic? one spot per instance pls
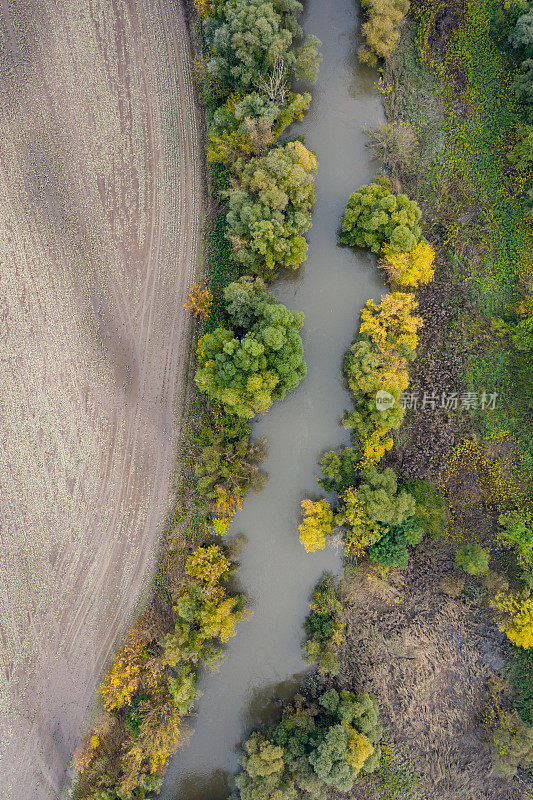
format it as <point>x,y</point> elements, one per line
<point>277,576</point>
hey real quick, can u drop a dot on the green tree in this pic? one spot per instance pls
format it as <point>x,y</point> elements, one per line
<point>375,217</point>
<point>392,549</point>
<point>258,359</point>
<point>472,558</point>
<point>252,41</point>
<point>182,687</point>
<point>270,209</point>
<point>263,775</point>
<point>324,626</point>
<point>339,469</point>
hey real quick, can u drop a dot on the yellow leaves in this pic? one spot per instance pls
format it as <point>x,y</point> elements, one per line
<point>412,268</point>
<point>375,447</point>
<point>306,159</point>
<point>125,676</point>
<point>359,749</point>
<point>391,324</point>
<point>95,741</point>
<point>317,524</point>
<point>199,301</point>
<point>353,515</point>
<point>207,564</point>
<point>515,615</point>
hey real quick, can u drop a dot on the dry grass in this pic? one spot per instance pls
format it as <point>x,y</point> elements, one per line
<point>428,658</point>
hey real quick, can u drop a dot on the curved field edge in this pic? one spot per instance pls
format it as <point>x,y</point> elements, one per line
<point>102,190</point>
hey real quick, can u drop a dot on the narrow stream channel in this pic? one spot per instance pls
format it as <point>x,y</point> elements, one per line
<point>264,660</point>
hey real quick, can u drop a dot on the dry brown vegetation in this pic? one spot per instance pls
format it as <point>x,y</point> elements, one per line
<point>429,657</point>
<point>100,191</point>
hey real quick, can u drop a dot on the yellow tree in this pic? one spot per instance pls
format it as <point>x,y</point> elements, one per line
<point>412,268</point>
<point>199,301</point>
<point>317,524</point>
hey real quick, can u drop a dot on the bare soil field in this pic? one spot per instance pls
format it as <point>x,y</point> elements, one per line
<point>100,213</point>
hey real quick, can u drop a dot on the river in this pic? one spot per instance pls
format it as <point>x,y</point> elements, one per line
<point>264,660</point>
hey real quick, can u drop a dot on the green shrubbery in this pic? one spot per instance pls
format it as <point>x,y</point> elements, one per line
<point>258,359</point>
<point>375,217</point>
<point>315,747</point>
<point>270,208</point>
<point>324,626</point>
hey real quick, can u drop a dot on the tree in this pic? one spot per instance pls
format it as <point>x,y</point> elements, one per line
<point>249,37</point>
<point>227,463</point>
<point>381,30</point>
<point>263,775</point>
<point>339,469</point>
<point>375,217</point>
<point>207,565</point>
<point>324,626</point>
<point>472,558</point>
<point>249,125</point>
<point>270,208</point>
<point>182,687</point>
<point>391,325</point>
<point>514,615</point>
<point>391,550</point>
<point>258,359</point>
<point>512,745</point>
<point>413,268</point>
<point>317,524</point>
<point>368,510</point>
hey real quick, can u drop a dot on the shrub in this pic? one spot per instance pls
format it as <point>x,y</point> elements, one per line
<point>182,687</point>
<point>393,143</point>
<point>413,268</point>
<point>317,524</point>
<point>259,359</point>
<point>512,745</point>
<point>431,512</point>
<point>199,301</point>
<point>381,30</point>
<point>514,615</point>
<point>324,626</point>
<point>270,208</point>
<point>375,217</point>
<point>391,325</point>
<point>227,463</point>
<point>472,558</point>
<point>207,565</point>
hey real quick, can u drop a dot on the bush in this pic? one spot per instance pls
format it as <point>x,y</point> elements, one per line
<point>312,748</point>
<point>207,565</point>
<point>227,461</point>
<point>317,524</point>
<point>413,268</point>
<point>256,361</point>
<point>472,558</point>
<point>381,30</point>
<point>512,745</point>
<point>375,217</point>
<point>270,208</point>
<point>324,626</point>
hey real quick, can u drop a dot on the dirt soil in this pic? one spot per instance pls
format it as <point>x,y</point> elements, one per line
<point>100,212</point>
<point>430,659</point>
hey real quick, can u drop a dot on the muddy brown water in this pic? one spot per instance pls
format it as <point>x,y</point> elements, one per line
<point>264,660</point>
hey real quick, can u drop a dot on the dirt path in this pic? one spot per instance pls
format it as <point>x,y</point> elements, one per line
<point>100,206</point>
